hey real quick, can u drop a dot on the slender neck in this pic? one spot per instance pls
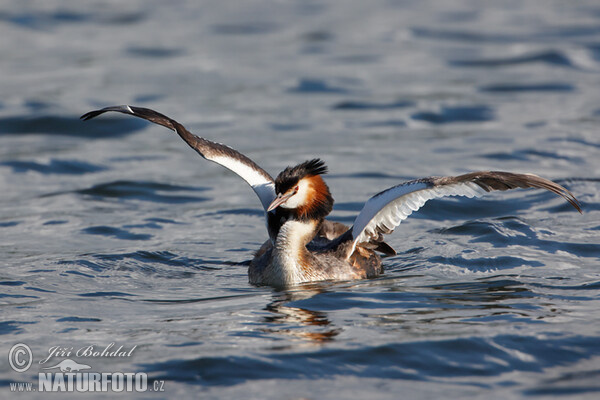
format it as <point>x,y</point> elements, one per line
<point>291,261</point>
<point>295,234</point>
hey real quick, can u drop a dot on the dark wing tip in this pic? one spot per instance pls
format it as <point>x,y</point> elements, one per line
<point>123,109</point>
<point>91,114</point>
<point>499,180</point>
<point>140,112</point>
<point>542,183</point>
<point>386,249</point>
<point>567,195</point>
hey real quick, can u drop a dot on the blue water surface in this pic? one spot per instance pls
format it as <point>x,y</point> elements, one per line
<point>114,231</point>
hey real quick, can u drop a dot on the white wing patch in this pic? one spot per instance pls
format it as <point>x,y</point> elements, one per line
<point>262,186</point>
<point>389,208</point>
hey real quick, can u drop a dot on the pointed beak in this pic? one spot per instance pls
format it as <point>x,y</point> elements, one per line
<point>279,200</point>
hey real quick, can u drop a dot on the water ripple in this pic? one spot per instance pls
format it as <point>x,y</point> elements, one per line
<point>485,263</point>
<point>550,57</point>
<point>245,28</point>
<point>313,85</point>
<point>117,233</point>
<point>65,167</point>
<point>529,154</point>
<point>456,114</point>
<point>528,87</point>
<point>143,190</point>
<point>365,105</point>
<point>57,125</point>
<point>512,232</point>
<point>425,360</point>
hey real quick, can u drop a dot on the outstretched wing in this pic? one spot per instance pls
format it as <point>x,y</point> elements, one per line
<point>383,212</point>
<point>260,181</point>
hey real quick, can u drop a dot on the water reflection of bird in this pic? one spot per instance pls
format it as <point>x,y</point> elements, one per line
<point>303,245</point>
<point>310,325</point>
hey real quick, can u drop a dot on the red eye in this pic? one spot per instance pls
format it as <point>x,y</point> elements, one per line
<point>296,189</point>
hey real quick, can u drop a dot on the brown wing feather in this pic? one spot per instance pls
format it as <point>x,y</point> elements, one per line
<point>386,210</point>
<point>498,180</point>
<point>206,148</point>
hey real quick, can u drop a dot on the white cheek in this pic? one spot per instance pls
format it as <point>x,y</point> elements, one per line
<point>300,198</point>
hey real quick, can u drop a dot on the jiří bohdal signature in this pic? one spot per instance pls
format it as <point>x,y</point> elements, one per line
<point>87,351</point>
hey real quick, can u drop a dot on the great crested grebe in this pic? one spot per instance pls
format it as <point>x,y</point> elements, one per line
<point>303,246</point>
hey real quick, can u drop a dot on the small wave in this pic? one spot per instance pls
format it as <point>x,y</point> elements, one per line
<point>8,327</point>
<point>289,127</point>
<point>12,283</point>
<point>463,36</point>
<point>144,190</point>
<point>55,125</point>
<point>312,85</point>
<point>118,233</point>
<point>530,87</point>
<point>423,360</point>
<point>254,212</point>
<point>513,232</point>
<point>166,258</point>
<point>530,154</point>
<point>78,319</point>
<point>245,28</point>
<point>9,224</point>
<point>365,105</point>
<point>164,264</point>
<point>579,141</point>
<point>552,57</point>
<point>456,114</point>
<point>46,20</point>
<point>63,167</point>
<point>485,263</point>
<point>394,123</point>
<point>148,98</point>
<point>318,36</point>
<point>154,52</point>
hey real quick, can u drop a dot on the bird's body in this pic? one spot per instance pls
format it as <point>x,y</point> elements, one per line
<point>297,256</point>
<point>305,247</point>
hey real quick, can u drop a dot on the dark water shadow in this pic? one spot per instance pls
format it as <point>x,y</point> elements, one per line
<point>355,105</point>
<point>78,319</point>
<point>13,327</point>
<point>246,28</point>
<point>117,233</point>
<point>528,88</point>
<point>551,57</point>
<point>69,126</point>
<point>47,20</point>
<point>62,167</point>
<point>154,52</point>
<point>145,191</point>
<point>314,85</point>
<point>477,113</point>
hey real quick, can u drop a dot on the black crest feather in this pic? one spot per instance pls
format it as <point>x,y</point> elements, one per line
<point>291,175</point>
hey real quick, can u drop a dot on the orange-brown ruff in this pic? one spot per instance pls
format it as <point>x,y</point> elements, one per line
<point>303,246</point>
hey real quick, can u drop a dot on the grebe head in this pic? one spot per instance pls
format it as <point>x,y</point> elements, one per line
<point>302,190</point>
